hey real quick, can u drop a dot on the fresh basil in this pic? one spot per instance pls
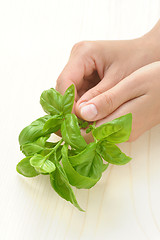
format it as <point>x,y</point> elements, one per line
<point>37,146</point>
<point>24,168</point>
<point>42,164</point>
<point>51,101</point>
<point>35,130</point>
<point>68,100</point>
<point>54,122</point>
<point>75,178</point>
<point>116,131</point>
<point>112,154</point>
<point>72,135</point>
<point>70,161</point>
<point>61,185</point>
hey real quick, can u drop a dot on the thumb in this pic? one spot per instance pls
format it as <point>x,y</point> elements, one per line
<point>107,102</point>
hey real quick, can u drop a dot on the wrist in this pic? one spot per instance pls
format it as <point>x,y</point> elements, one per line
<point>151,43</point>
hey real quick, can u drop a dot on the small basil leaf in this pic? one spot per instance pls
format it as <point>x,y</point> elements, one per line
<point>71,132</point>
<point>54,122</point>
<point>82,123</point>
<point>116,131</point>
<point>35,147</point>
<point>73,176</point>
<point>91,127</point>
<point>60,184</point>
<point>51,101</point>
<point>35,130</point>
<point>48,166</point>
<point>68,100</point>
<point>112,154</point>
<point>88,130</point>
<point>24,167</point>
<point>42,164</point>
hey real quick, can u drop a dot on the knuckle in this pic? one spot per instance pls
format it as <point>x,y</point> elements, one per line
<point>116,73</point>
<point>82,47</point>
<point>95,92</point>
<point>109,101</point>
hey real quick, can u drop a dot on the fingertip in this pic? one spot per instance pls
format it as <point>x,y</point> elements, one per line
<point>78,107</point>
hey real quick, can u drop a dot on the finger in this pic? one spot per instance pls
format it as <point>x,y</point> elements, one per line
<point>110,79</point>
<point>104,104</point>
<point>79,66</point>
<point>72,74</point>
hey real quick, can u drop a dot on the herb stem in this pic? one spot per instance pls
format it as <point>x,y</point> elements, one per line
<point>55,148</point>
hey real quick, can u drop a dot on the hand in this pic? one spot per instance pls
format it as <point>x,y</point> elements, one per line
<point>96,68</point>
<point>139,93</point>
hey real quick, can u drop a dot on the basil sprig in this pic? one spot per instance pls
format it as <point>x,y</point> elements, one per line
<point>70,161</point>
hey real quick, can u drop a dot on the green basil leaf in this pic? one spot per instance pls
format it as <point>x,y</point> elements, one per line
<point>58,153</point>
<point>116,131</point>
<point>35,130</point>
<point>42,164</point>
<point>54,122</point>
<point>88,163</point>
<point>51,101</point>
<point>35,147</point>
<point>24,167</point>
<point>112,154</point>
<point>50,144</point>
<point>73,176</point>
<point>105,166</point>
<point>68,100</point>
<point>60,184</point>
<point>47,167</point>
<point>71,133</point>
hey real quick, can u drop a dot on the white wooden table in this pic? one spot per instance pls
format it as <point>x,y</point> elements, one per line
<point>36,37</point>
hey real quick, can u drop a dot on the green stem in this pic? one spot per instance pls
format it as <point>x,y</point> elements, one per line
<point>54,149</point>
<point>93,127</point>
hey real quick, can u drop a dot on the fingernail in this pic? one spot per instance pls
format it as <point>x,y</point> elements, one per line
<point>89,112</point>
<point>81,104</point>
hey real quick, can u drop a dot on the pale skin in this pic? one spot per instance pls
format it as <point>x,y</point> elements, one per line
<point>113,78</point>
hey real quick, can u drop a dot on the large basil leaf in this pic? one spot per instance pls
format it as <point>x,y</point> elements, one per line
<point>116,131</point>
<point>60,184</point>
<point>111,153</point>
<point>35,130</point>
<point>51,101</point>
<point>71,133</point>
<point>88,163</point>
<point>34,147</point>
<point>24,167</point>
<point>42,164</point>
<point>68,100</point>
<point>75,178</point>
